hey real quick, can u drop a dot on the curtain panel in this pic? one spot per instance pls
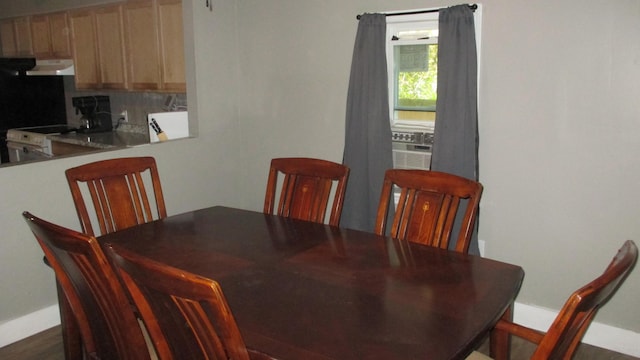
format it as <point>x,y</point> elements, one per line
<point>367,149</point>
<point>455,145</point>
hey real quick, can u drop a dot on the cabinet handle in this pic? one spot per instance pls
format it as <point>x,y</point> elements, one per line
<point>209,4</point>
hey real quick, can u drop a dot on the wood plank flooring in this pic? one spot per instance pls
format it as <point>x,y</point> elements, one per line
<point>47,345</point>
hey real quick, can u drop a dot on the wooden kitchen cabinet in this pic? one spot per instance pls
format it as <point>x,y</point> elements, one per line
<point>171,36</point>
<point>143,46</point>
<point>51,36</point>
<point>110,42</point>
<point>135,45</point>
<point>85,52</point>
<point>22,27</point>
<point>8,38</point>
<point>41,38</point>
<point>155,45</point>
<point>16,37</point>
<point>98,38</point>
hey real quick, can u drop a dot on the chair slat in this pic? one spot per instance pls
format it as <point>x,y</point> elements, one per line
<point>429,204</point>
<point>306,189</point>
<point>117,192</point>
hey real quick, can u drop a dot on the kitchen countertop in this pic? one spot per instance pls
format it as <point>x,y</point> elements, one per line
<point>103,140</point>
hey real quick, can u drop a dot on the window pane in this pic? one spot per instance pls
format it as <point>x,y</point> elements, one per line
<point>416,74</point>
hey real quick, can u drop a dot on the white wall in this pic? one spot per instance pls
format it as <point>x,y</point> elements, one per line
<point>559,123</point>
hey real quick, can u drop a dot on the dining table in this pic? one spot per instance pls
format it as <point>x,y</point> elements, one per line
<point>305,290</point>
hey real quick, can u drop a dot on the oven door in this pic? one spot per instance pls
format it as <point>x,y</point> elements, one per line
<point>25,152</point>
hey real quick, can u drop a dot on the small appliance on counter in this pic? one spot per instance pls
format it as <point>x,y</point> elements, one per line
<point>96,113</point>
<point>168,125</point>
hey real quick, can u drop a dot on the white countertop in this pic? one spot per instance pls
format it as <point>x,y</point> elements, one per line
<point>102,140</point>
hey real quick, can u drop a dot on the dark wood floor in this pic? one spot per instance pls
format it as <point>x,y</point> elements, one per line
<point>47,345</point>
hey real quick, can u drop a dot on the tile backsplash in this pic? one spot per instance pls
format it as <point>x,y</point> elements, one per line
<point>137,105</point>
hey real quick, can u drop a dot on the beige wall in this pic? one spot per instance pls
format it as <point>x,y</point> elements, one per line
<point>558,133</point>
<point>558,125</point>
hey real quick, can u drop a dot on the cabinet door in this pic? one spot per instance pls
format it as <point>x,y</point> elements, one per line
<point>8,38</point>
<point>143,50</point>
<point>41,38</point>
<point>22,28</point>
<point>171,45</point>
<point>110,40</point>
<point>60,37</point>
<point>85,55</point>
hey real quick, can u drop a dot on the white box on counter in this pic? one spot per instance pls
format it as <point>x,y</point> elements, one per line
<point>174,124</point>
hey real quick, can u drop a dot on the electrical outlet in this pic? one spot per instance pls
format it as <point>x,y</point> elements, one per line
<point>124,115</point>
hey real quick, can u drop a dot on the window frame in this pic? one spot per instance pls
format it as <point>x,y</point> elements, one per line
<point>396,24</point>
<point>413,21</point>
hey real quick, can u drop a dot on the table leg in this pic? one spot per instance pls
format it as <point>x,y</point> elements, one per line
<point>70,333</point>
<point>500,346</point>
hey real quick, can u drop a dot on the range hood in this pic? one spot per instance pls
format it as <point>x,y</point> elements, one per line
<point>52,67</point>
<point>33,67</point>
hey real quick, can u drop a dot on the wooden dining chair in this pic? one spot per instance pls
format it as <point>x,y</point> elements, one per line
<point>306,189</point>
<point>565,333</point>
<point>427,208</point>
<point>98,302</point>
<point>119,196</point>
<point>186,315</point>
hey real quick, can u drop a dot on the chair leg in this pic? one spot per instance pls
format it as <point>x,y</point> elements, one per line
<point>70,333</point>
<point>500,346</point>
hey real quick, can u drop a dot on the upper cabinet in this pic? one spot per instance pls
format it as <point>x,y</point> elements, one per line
<point>16,37</point>
<point>51,36</point>
<point>110,43</point>
<point>41,36</point>
<point>134,45</point>
<point>85,52</point>
<point>99,55</point>
<point>171,44</point>
<point>143,46</point>
<point>155,50</point>
<point>8,38</point>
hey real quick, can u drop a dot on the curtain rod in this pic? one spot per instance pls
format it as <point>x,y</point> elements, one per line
<point>473,7</point>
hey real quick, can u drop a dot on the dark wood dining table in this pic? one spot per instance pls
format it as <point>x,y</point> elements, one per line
<point>302,290</point>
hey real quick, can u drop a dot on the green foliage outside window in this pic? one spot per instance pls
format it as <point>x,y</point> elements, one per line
<point>417,89</point>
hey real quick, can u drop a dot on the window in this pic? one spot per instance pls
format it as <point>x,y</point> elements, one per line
<point>412,67</point>
<point>412,60</point>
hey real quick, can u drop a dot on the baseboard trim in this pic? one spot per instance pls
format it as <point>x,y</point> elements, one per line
<point>600,335</point>
<point>30,324</point>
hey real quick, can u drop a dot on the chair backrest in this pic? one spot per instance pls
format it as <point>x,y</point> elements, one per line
<point>306,189</point>
<point>567,330</point>
<point>106,320</point>
<point>427,208</point>
<point>118,193</point>
<point>186,315</point>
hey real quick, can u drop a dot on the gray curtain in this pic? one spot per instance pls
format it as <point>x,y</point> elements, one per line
<point>455,147</point>
<point>367,150</point>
